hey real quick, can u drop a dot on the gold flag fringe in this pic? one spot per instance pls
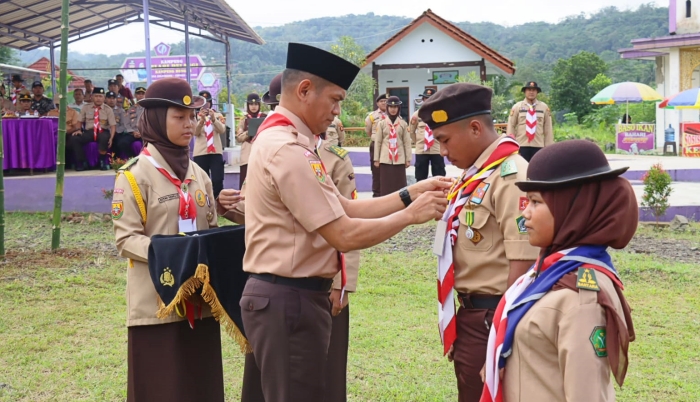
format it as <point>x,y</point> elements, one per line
<point>201,279</point>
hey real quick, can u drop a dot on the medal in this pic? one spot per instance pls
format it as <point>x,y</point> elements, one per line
<point>469,221</point>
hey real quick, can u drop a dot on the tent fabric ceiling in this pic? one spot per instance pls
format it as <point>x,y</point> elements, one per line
<point>30,24</point>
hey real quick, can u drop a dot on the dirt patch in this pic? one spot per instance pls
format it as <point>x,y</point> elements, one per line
<point>422,237</point>
<point>21,260</point>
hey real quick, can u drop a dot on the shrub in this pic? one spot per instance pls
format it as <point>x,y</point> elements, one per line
<point>657,190</point>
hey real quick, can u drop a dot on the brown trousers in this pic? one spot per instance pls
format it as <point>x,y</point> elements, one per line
<point>473,326</point>
<point>289,330</point>
<point>374,170</point>
<point>336,365</point>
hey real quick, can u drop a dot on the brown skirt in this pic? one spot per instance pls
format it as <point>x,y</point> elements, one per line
<point>391,178</point>
<point>172,362</point>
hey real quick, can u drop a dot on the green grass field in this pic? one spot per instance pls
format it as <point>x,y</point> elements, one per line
<point>63,334</point>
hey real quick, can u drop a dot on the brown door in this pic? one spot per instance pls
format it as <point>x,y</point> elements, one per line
<point>403,94</point>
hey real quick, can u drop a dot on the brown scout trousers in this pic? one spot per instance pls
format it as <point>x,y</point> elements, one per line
<point>374,170</point>
<point>473,326</point>
<point>336,365</point>
<point>289,330</point>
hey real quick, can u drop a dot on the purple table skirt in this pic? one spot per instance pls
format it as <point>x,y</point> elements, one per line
<point>30,143</point>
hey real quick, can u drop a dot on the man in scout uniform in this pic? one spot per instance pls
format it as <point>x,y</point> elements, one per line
<point>530,122</point>
<point>17,87</point>
<point>335,134</point>
<point>79,98</point>
<point>123,138</point>
<point>88,90</point>
<point>72,123</point>
<point>427,148</point>
<point>371,123</point>
<point>40,103</point>
<point>295,239</point>
<point>100,127</point>
<point>487,247</point>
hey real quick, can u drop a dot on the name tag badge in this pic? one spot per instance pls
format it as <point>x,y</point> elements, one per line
<point>187,225</point>
<point>440,234</point>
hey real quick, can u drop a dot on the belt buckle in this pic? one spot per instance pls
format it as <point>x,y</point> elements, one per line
<point>465,302</point>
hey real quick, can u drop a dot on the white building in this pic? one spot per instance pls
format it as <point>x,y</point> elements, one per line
<point>677,59</point>
<point>430,52</point>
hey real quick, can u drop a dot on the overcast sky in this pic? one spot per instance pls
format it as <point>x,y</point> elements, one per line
<point>279,12</point>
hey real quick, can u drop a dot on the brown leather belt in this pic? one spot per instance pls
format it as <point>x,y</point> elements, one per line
<point>312,283</point>
<point>476,301</point>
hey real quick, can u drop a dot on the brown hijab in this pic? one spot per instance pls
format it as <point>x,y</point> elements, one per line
<point>598,213</point>
<point>153,130</point>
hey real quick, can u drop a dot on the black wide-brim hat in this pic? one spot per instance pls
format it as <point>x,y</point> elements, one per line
<point>168,92</point>
<point>393,101</point>
<point>322,64</point>
<point>253,98</point>
<point>17,78</point>
<point>428,93</point>
<point>531,85</point>
<point>272,97</point>
<point>566,164</point>
<point>207,263</point>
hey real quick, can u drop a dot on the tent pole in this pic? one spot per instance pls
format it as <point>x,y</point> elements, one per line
<point>147,34</point>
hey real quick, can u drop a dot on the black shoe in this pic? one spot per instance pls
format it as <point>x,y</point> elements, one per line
<point>104,165</point>
<point>79,167</point>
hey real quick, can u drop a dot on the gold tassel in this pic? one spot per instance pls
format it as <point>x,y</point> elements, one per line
<point>186,290</point>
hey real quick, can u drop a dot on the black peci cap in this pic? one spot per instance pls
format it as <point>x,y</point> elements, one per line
<point>322,64</point>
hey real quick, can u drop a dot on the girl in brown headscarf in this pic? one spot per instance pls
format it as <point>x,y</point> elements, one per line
<point>253,112</point>
<point>163,193</point>
<point>392,149</point>
<point>564,325</point>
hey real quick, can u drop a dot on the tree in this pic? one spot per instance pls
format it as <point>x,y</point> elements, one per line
<point>570,87</point>
<point>358,100</point>
<point>501,100</point>
<point>7,55</point>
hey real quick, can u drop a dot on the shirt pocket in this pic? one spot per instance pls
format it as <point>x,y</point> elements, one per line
<point>482,239</point>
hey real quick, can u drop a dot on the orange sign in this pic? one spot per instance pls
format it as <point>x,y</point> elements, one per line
<point>690,140</point>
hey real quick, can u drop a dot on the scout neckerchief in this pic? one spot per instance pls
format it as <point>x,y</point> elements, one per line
<point>15,95</point>
<point>96,127</point>
<point>187,210</point>
<point>393,141</point>
<point>209,131</point>
<point>429,139</point>
<point>531,122</point>
<point>457,198</point>
<point>523,294</point>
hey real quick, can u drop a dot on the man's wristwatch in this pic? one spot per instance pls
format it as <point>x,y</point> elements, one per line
<point>405,196</point>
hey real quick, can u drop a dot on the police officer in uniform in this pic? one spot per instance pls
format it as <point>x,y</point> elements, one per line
<point>100,126</point>
<point>167,359</point>
<point>120,117</point>
<point>294,238</point>
<point>392,148</point>
<point>208,150</point>
<point>253,112</point>
<point>123,143</point>
<point>427,148</point>
<point>491,248</point>
<point>530,122</point>
<point>371,123</point>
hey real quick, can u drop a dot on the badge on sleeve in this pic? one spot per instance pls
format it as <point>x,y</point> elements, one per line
<point>586,279</point>
<point>479,193</point>
<point>353,196</point>
<point>520,221</point>
<point>117,209</point>
<point>200,198</point>
<point>523,203</point>
<point>508,168</point>
<point>320,173</point>
<point>599,342</point>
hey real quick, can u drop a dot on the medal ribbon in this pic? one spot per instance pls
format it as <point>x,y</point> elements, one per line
<point>187,208</point>
<point>96,127</point>
<point>209,131</point>
<point>458,197</point>
<point>393,143</point>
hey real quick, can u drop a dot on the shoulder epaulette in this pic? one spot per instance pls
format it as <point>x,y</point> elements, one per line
<point>340,152</point>
<point>129,164</point>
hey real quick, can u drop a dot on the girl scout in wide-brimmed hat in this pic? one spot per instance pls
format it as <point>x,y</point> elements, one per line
<point>565,325</point>
<point>162,192</point>
<point>392,149</point>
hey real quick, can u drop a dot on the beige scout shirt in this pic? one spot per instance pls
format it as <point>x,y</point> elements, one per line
<point>242,137</point>
<point>381,145</point>
<point>288,197</point>
<point>553,358</point>
<point>200,137</point>
<point>335,134</point>
<point>516,125</point>
<point>340,170</point>
<point>372,121</point>
<point>417,130</point>
<point>483,267</point>
<point>106,117</point>
<point>162,215</point>
<point>72,119</point>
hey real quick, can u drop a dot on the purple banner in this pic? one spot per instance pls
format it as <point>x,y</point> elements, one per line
<point>636,139</point>
<point>162,67</point>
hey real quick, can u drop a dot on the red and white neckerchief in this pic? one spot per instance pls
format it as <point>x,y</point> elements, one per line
<point>531,122</point>
<point>457,199</point>
<point>209,132</point>
<point>187,208</point>
<point>96,127</point>
<point>15,95</point>
<point>429,139</point>
<point>393,141</point>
